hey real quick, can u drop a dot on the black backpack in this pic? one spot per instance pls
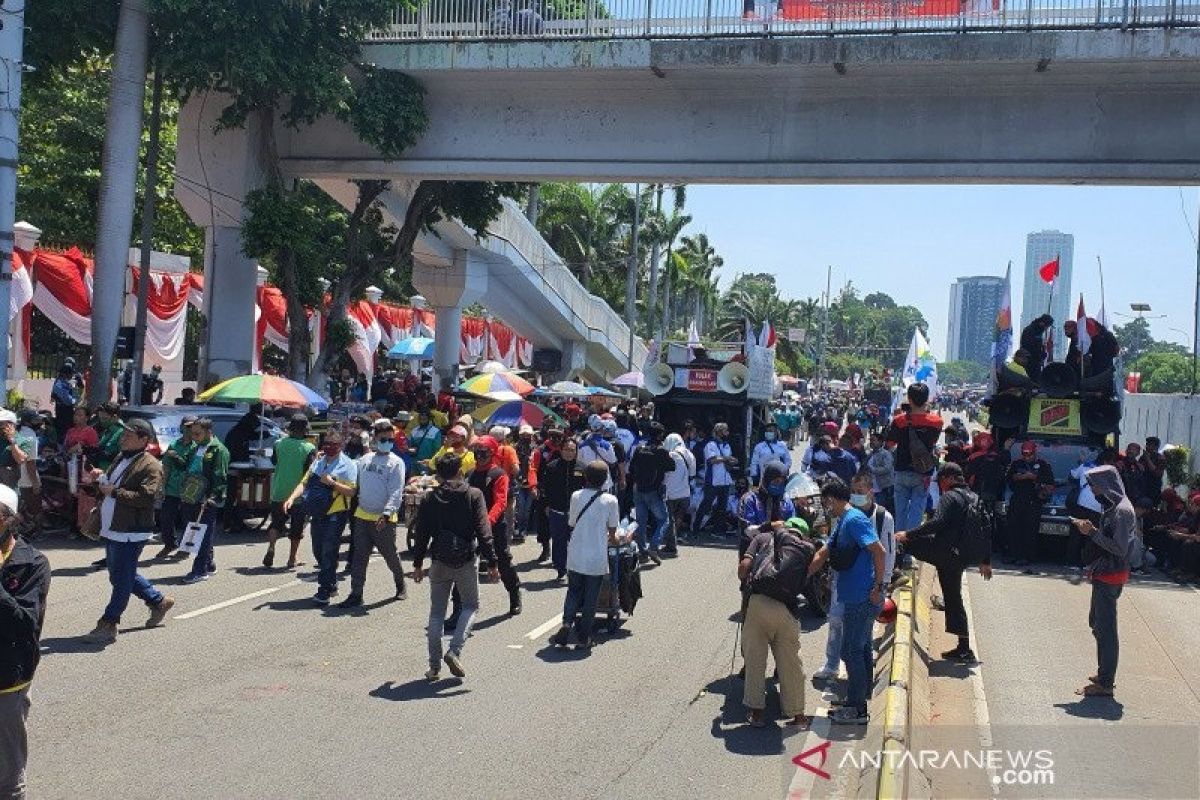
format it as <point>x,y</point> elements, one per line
<point>974,533</point>
<point>452,541</point>
<point>781,575</point>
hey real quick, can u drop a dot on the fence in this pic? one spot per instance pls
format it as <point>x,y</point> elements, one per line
<point>491,20</point>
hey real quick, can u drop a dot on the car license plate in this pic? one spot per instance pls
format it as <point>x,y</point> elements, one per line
<point>1055,529</point>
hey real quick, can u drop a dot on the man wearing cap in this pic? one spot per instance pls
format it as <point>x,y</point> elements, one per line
<point>456,442</point>
<point>174,462</point>
<point>1031,480</point>
<point>380,484</point>
<point>24,582</point>
<point>128,490</point>
<point>292,456</point>
<point>424,439</point>
<point>400,422</point>
<point>63,395</point>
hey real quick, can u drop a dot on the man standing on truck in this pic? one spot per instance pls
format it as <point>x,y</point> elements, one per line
<point>1031,481</point>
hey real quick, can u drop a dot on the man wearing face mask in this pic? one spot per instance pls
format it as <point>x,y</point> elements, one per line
<point>492,480</point>
<point>380,497</point>
<point>769,449</point>
<point>325,495</point>
<point>764,505</point>
<point>934,543</point>
<point>718,461</point>
<point>205,483</point>
<point>24,583</point>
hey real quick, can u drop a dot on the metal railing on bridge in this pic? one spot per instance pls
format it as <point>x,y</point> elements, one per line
<point>494,20</point>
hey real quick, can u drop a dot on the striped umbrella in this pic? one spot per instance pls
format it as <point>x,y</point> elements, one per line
<point>484,385</point>
<point>270,389</point>
<point>514,414</point>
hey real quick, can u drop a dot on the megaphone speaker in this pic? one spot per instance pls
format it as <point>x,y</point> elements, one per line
<point>1059,380</point>
<point>1008,410</point>
<point>733,378</point>
<point>659,379</point>
<point>1101,416</point>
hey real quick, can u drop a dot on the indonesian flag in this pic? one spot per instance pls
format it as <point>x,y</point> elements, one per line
<point>767,337</point>
<point>1049,271</point>
<point>1083,337</point>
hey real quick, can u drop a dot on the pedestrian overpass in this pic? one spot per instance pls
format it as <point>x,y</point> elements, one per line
<point>1034,91</point>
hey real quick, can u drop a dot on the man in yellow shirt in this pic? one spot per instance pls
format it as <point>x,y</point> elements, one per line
<point>456,442</point>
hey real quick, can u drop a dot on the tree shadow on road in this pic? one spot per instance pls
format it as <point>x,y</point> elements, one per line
<point>419,689</point>
<point>1105,708</point>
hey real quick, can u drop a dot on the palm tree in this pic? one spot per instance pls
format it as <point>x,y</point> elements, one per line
<point>582,224</point>
<point>699,283</point>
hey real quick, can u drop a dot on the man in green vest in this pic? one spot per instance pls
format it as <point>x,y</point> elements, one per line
<point>175,462</point>
<point>109,429</point>
<point>292,457</point>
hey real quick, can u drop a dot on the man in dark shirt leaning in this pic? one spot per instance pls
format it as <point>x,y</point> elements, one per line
<point>647,471</point>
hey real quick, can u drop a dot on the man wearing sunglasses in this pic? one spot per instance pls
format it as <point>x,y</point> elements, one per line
<point>380,497</point>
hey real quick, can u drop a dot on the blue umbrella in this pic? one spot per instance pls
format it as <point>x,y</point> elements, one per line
<point>413,347</point>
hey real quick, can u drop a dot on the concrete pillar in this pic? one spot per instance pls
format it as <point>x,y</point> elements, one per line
<point>574,359</point>
<point>230,278</point>
<point>448,289</point>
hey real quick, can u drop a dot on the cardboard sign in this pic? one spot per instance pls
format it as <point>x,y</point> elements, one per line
<point>761,362</point>
<point>1050,416</point>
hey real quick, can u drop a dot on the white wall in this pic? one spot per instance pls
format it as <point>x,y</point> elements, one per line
<point>1174,418</point>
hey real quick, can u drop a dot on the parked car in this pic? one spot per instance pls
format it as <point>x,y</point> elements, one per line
<point>166,421</point>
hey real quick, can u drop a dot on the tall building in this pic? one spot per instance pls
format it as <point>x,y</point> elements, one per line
<point>974,304</point>
<point>1041,247</point>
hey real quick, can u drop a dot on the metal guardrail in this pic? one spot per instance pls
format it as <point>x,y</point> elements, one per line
<point>498,20</point>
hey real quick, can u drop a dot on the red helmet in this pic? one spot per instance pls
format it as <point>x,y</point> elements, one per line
<point>887,614</point>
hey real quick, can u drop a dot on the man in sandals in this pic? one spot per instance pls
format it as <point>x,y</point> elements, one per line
<point>1107,557</point>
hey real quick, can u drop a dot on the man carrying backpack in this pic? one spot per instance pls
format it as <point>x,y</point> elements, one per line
<point>773,572</point>
<point>954,539</point>
<point>452,528</point>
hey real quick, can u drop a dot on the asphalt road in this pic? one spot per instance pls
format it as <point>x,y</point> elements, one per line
<point>250,691</point>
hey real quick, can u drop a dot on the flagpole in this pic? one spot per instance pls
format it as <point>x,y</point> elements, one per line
<point>1103,307</point>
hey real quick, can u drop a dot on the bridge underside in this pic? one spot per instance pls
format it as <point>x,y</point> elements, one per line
<point>1052,107</point>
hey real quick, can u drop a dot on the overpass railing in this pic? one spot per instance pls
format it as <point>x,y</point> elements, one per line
<point>491,20</point>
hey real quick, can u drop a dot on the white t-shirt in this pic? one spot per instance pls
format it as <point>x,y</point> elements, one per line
<point>720,474</point>
<point>678,481</point>
<point>587,552</point>
<point>108,507</point>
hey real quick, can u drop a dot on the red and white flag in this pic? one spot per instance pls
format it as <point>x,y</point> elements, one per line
<point>767,337</point>
<point>1049,271</point>
<point>1083,337</point>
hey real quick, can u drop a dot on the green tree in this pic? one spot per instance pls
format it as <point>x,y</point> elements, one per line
<point>953,372</point>
<point>1164,373</point>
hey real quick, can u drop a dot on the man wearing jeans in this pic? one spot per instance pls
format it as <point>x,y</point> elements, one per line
<point>380,496</point>
<point>1108,566</point>
<point>648,470</point>
<point>913,469</point>
<point>718,481</point>
<point>452,528</point>
<point>128,490</point>
<point>858,559</point>
<point>326,493</point>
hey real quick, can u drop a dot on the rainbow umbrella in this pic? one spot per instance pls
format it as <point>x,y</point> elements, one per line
<point>269,389</point>
<point>515,413</point>
<point>490,382</point>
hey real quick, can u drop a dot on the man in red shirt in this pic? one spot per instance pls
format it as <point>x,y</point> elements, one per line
<point>492,479</point>
<point>914,433</point>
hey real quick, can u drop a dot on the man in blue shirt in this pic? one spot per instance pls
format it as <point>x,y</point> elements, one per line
<point>858,559</point>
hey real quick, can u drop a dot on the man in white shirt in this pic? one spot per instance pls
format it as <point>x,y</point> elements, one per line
<point>594,517</point>
<point>380,498</point>
<point>718,460</point>
<point>769,449</point>
<point>128,491</point>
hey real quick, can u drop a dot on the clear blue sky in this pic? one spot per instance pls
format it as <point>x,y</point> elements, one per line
<point>914,241</point>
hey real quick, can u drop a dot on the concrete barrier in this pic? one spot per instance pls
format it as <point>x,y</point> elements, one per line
<point>1174,418</point>
<point>892,777</point>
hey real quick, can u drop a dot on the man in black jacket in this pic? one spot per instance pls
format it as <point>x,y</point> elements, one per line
<point>24,582</point>
<point>1033,341</point>
<point>647,469</point>
<point>452,528</point>
<point>933,541</point>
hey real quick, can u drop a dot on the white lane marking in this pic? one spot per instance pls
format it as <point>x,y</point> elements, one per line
<point>983,721</point>
<point>516,647</point>
<point>544,627</point>
<point>234,601</point>
<point>803,779</point>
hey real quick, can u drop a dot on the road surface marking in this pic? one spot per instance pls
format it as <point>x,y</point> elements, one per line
<point>803,779</point>
<point>544,627</point>
<point>516,647</point>
<point>234,601</point>
<point>983,721</point>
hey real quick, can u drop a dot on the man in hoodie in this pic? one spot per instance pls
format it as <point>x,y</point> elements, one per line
<point>452,528</point>
<point>1107,558</point>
